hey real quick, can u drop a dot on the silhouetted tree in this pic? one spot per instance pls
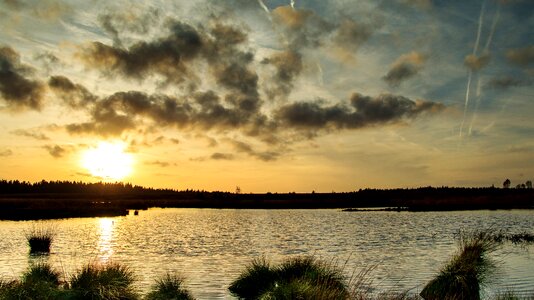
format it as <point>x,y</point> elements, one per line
<point>529,184</point>
<point>506,183</point>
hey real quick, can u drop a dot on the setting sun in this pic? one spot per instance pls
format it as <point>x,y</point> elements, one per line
<point>108,161</point>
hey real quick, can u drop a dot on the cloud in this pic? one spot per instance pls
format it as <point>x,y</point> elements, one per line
<point>56,151</point>
<point>43,9</point>
<point>114,23</point>
<point>35,135</point>
<point>16,89</point>
<point>351,35</point>
<point>7,152</point>
<point>522,57</point>
<point>240,146</point>
<point>405,67</point>
<point>13,4</point>
<point>302,27</point>
<point>158,163</point>
<point>222,156</point>
<point>507,82</point>
<point>166,56</point>
<point>288,65</point>
<point>363,111</point>
<point>74,95</point>
<point>424,4</point>
<point>475,63</point>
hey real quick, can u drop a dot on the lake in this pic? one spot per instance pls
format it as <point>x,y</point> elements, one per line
<point>209,247</point>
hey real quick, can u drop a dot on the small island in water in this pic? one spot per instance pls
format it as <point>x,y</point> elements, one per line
<point>20,200</point>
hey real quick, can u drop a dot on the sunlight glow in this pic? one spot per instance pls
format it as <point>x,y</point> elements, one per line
<point>108,161</point>
<point>105,245</point>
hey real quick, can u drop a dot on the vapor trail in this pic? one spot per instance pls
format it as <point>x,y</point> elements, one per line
<point>493,26</point>
<point>466,100</point>
<point>479,96</point>
<point>484,52</point>
<point>265,8</point>
<point>320,77</point>
<point>469,77</point>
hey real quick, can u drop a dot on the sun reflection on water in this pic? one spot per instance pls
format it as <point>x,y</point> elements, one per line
<point>105,245</point>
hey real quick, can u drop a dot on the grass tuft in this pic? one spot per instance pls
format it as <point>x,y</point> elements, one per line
<point>39,239</point>
<point>40,282</point>
<point>169,288</point>
<point>470,268</point>
<point>110,281</point>
<point>296,278</point>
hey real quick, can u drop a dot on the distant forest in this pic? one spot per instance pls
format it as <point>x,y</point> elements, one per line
<point>51,199</point>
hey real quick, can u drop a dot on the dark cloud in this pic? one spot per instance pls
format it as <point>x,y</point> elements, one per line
<point>222,156</point>
<point>15,88</point>
<point>507,82</point>
<point>56,151</point>
<point>363,111</point>
<point>6,152</point>
<point>405,67</point>
<point>522,57</point>
<point>35,135</point>
<point>288,65</point>
<point>166,56</point>
<point>475,63</point>
<point>74,95</point>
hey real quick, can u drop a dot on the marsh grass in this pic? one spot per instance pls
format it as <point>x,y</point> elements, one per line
<point>469,269</point>
<point>295,278</point>
<point>40,239</point>
<point>39,282</point>
<point>170,287</point>
<point>111,281</point>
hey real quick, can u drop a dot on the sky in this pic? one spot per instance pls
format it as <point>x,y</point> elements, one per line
<point>270,96</point>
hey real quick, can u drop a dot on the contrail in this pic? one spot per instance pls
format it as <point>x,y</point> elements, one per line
<point>493,26</point>
<point>469,77</point>
<point>265,8</point>
<point>484,52</point>
<point>320,77</point>
<point>479,96</point>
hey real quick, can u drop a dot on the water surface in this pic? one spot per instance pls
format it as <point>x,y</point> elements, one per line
<point>210,247</point>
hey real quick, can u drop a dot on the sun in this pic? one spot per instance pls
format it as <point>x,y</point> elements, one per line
<point>108,161</point>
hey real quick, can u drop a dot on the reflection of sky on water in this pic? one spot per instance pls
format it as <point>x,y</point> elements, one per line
<point>105,245</point>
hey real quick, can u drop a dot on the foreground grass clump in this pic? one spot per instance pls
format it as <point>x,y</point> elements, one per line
<point>40,282</point>
<point>295,278</point>
<point>111,282</point>
<point>169,288</point>
<point>463,275</point>
<point>40,239</point>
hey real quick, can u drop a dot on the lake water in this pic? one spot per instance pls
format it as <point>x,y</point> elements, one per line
<point>209,247</point>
